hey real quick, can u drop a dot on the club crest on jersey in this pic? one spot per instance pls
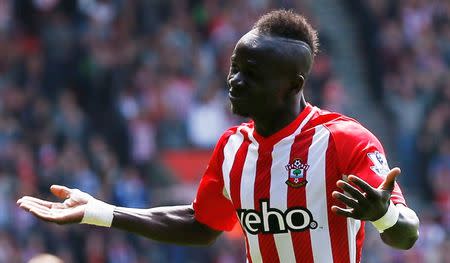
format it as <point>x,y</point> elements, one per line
<point>296,173</point>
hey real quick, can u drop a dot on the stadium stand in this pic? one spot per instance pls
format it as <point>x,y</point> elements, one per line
<point>103,95</point>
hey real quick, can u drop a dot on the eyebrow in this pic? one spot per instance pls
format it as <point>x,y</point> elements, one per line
<point>251,62</point>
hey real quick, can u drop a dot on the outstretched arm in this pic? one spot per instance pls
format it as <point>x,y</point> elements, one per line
<point>372,204</point>
<point>175,224</point>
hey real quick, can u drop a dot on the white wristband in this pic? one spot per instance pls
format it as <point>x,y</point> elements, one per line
<point>388,220</point>
<point>98,213</point>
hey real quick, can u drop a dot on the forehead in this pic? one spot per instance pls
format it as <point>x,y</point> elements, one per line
<point>257,46</point>
<point>273,52</point>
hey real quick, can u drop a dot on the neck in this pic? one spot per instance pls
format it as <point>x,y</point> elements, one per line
<point>268,125</point>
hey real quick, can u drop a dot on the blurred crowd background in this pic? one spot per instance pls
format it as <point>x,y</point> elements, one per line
<point>108,96</point>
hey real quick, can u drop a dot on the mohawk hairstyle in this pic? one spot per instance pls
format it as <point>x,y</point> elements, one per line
<point>286,23</point>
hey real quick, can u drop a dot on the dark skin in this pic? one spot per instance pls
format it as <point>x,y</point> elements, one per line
<point>266,83</point>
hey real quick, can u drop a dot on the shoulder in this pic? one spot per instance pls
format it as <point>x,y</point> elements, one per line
<point>348,138</point>
<point>343,129</point>
<point>231,131</point>
<point>355,147</point>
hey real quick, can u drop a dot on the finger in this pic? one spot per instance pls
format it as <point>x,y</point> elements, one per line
<point>343,212</point>
<point>24,206</point>
<point>28,205</point>
<point>49,215</point>
<point>37,211</point>
<point>42,214</point>
<point>36,200</point>
<point>45,213</point>
<point>40,210</point>
<point>367,188</point>
<point>58,206</point>
<point>345,199</point>
<point>60,191</point>
<point>355,193</point>
<point>389,183</point>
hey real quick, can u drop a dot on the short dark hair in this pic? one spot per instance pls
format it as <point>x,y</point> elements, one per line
<point>288,24</point>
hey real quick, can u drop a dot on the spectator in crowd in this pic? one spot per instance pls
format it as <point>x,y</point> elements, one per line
<point>413,49</point>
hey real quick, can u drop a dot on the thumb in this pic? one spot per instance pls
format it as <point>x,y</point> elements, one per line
<point>389,183</point>
<point>60,191</point>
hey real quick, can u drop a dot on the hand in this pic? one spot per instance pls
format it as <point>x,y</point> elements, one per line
<point>69,211</point>
<point>369,204</point>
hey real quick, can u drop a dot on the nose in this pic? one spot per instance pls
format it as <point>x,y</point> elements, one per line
<point>235,80</point>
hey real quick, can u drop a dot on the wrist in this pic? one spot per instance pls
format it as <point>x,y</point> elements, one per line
<point>98,213</point>
<point>388,220</point>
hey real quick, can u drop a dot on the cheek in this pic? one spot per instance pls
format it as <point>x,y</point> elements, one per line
<point>276,95</point>
<point>270,100</point>
<point>278,99</point>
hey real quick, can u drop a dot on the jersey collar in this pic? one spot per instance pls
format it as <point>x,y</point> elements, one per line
<point>286,131</point>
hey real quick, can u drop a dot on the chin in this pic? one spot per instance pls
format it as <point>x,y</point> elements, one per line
<point>239,112</point>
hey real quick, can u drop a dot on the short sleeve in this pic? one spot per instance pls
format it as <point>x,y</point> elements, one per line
<point>211,206</point>
<point>361,154</point>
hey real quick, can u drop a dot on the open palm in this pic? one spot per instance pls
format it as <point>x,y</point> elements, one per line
<point>368,203</point>
<point>69,211</point>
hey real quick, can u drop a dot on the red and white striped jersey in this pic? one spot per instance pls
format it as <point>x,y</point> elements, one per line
<point>279,187</point>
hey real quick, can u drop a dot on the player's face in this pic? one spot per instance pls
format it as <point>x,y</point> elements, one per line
<point>259,79</point>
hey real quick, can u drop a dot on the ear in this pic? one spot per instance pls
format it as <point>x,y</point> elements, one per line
<point>298,83</point>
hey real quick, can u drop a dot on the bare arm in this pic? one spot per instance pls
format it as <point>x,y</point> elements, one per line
<point>405,232</point>
<point>371,204</point>
<point>175,224</point>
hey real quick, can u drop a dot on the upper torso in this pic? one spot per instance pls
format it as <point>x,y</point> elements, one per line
<point>280,186</point>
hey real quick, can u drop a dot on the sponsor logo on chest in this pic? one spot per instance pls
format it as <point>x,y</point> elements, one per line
<point>274,221</point>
